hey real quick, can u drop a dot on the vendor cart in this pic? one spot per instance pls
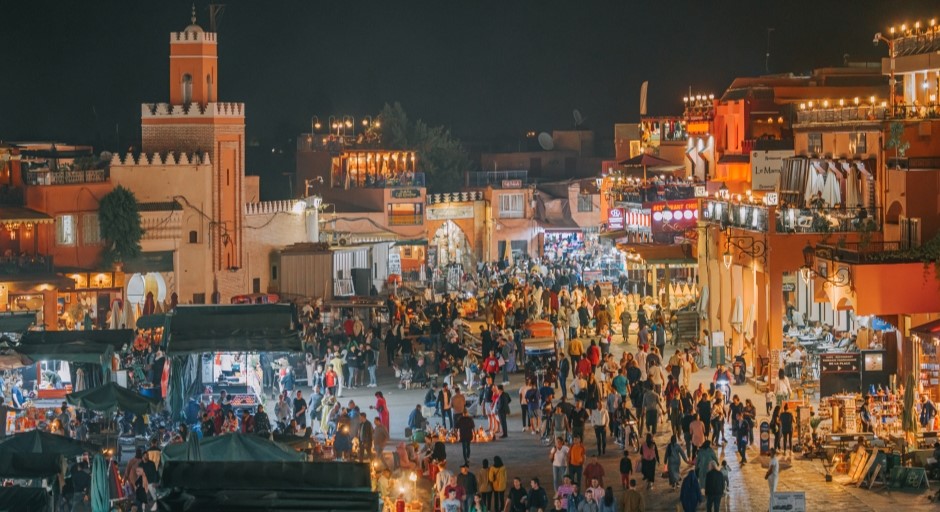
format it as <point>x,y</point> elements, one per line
<point>541,353</point>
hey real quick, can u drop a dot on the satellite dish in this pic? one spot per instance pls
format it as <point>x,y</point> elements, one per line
<point>545,140</point>
<point>578,118</point>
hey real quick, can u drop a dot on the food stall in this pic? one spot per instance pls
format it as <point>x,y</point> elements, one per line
<point>214,347</point>
<point>541,353</point>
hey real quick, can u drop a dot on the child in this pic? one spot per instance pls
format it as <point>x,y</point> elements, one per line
<point>769,400</point>
<point>726,472</point>
<point>626,469</point>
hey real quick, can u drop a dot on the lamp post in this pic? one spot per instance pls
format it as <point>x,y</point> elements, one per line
<point>840,277</point>
<point>746,244</point>
<point>891,55</point>
<point>315,124</point>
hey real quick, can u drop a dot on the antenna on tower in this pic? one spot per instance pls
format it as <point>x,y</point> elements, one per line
<point>215,12</point>
<point>767,55</point>
<point>192,19</point>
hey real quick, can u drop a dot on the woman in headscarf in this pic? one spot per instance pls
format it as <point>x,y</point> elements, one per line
<point>674,455</point>
<point>691,493</point>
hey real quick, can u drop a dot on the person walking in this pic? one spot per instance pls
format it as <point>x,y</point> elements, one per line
<point>691,493</point>
<point>773,474</point>
<point>705,455</point>
<point>714,488</point>
<point>576,460</point>
<point>485,486</point>
<point>600,420</point>
<point>503,410</point>
<point>675,456</point>
<point>632,499</point>
<point>465,431</point>
<point>649,459</point>
<point>444,406</point>
<point>559,458</point>
<point>497,478</point>
<point>468,481</point>
<point>786,429</point>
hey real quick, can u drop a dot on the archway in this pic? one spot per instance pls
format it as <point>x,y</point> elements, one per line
<point>452,245</point>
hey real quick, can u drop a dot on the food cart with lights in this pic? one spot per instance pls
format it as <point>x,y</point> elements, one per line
<point>541,353</point>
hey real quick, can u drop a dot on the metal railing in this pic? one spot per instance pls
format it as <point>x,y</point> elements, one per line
<point>871,252</point>
<point>827,220</point>
<point>50,177</point>
<point>406,220</point>
<point>914,163</point>
<point>496,179</point>
<point>25,265</point>
<point>744,216</point>
<point>653,193</point>
<point>851,113</point>
<point>404,179</point>
<point>918,43</point>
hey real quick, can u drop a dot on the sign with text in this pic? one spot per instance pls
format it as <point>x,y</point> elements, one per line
<point>406,193</point>
<point>512,183</point>
<point>450,212</point>
<point>766,167</point>
<point>615,219</point>
<point>674,216</point>
<point>847,362</point>
<point>394,264</point>
<point>788,502</point>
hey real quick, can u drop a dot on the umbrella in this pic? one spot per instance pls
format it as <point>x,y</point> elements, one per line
<point>39,442</point>
<point>149,304</point>
<point>814,182</point>
<point>177,388</point>
<point>508,254</point>
<point>111,396</point>
<point>648,161</point>
<point>909,416</point>
<point>830,192</point>
<point>100,487</point>
<point>852,186</point>
<point>193,450</point>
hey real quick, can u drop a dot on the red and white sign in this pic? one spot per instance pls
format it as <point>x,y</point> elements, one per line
<point>615,219</point>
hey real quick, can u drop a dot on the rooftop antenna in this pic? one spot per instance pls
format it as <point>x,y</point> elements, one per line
<point>767,55</point>
<point>215,12</point>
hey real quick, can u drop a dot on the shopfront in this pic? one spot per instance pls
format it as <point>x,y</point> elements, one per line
<point>924,342</point>
<point>88,304</point>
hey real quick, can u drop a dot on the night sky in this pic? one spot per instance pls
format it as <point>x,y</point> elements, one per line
<point>73,71</point>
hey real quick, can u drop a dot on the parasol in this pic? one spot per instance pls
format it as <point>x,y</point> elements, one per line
<point>149,304</point>
<point>852,186</point>
<point>830,192</point>
<point>648,161</point>
<point>814,182</point>
<point>508,254</point>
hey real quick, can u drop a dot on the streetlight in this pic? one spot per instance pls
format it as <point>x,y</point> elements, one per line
<point>315,124</point>
<point>891,54</point>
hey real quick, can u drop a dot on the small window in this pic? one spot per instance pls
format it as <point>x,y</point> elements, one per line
<point>91,229</point>
<point>193,237</point>
<point>858,143</point>
<point>274,272</point>
<point>406,252</point>
<point>228,177</point>
<point>511,206</point>
<point>585,203</point>
<point>187,86</point>
<point>208,88</point>
<point>814,145</point>
<point>256,285</point>
<point>65,230</point>
<point>199,298</point>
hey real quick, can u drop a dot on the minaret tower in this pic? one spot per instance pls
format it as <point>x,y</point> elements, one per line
<point>195,122</point>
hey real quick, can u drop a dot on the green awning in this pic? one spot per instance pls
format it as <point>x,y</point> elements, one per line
<point>234,448</point>
<point>154,321</point>
<point>153,261</point>
<point>109,397</point>
<point>40,442</point>
<point>74,346</point>
<point>233,328</point>
<point>17,321</point>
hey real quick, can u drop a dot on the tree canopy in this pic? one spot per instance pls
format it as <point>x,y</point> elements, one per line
<point>441,157</point>
<point>120,222</point>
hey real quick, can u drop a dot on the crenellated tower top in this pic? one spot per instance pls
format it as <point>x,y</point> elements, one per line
<point>193,65</point>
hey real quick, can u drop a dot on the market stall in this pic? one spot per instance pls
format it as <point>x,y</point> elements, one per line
<point>233,448</point>
<point>223,339</point>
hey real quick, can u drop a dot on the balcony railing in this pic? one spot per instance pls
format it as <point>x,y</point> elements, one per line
<point>405,179</point>
<point>499,179</point>
<point>651,193</point>
<point>835,115</point>
<point>406,220</point>
<point>744,216</point>
<point>914,163</point>
<point>50,177</point>
<point>915,43</point>
<point>871,252</point>
<point>827,220</point>
<point>24,265</point>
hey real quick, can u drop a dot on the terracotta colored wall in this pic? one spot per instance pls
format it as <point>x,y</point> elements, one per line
<point>896,289</point>
<point>199,59</point>
<point>75,200</point>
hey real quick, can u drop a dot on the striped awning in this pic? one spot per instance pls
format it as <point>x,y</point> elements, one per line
<point>11,214</point>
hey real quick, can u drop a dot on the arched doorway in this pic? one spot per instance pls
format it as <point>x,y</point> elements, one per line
<point>452,245</point>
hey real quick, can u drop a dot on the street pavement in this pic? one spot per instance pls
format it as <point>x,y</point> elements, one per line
<point>524,457</point>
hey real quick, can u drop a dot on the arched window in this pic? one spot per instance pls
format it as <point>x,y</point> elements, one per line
<point>193,237</point>
<point>208,88</point>
<point>187,85</point>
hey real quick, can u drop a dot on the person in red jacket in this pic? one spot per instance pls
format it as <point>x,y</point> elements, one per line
<point>594,354</point>
<point>491,364</point>
<point>584,367</point>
